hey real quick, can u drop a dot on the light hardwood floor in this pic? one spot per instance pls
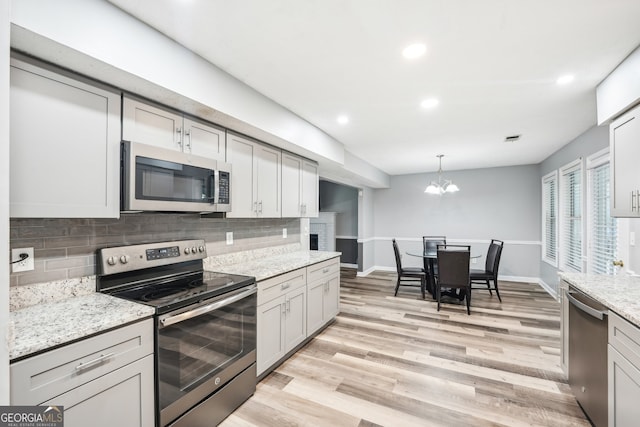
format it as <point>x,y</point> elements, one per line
<point>396,361</point>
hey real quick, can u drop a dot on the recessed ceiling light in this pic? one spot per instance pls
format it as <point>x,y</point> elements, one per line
<point>429,103</point>
<point>414,50</point>
<point>343,120</point>
<point>563,80</point>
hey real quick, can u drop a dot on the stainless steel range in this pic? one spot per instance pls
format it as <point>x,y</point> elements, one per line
<point>205,359</point>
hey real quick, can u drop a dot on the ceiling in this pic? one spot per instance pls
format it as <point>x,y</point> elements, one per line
<point>492,64</point>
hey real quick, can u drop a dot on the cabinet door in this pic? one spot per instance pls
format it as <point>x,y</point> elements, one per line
<point>315,306</point>
<point>296,320</point>
<point>65,146</point>
<point>267,170</point>
<point>564,327</point>
<point>151,125</point>
<point>624,390</point>
<point>124,397</point>
<point>240,153</point>
<point>204,140</point>
<point>332,298</point>
<point>291,185</point>
<point>624,139</point>
<point>309,189</point>
<point>271,333</point>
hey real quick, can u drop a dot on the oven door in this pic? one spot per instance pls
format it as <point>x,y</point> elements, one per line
<point>156,179</point>
<point>201,348</point>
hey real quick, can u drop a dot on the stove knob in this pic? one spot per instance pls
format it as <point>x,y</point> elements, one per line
<point>201,249</point>
<point>194,250</point>
<point>124,259</point>
<point>187,251</point>
<point>111,260</point>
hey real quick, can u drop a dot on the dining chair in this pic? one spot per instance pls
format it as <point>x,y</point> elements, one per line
<point>453,271</point>
<point>430,245</point>
<point>490,272</point>
<point>409,275</point>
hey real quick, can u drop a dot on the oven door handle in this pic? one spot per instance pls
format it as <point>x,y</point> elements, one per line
<point>586,308</point>
<point>167,321</point>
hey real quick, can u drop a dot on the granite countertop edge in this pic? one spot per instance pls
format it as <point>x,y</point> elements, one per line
<point>271,266</point>
<point>45,326</point>
<point>620,294</point>
<point>51,323</point>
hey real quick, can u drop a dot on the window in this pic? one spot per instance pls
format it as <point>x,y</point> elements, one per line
<point>549,218</point>
<point>602,228</point>
<point>571,216</point>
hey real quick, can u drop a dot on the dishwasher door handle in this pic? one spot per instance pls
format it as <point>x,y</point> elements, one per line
<point>598,314</point>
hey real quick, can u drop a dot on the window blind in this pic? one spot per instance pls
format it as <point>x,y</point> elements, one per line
<point>549,238</point>
<point>602,227</point>
<point>571,202</point>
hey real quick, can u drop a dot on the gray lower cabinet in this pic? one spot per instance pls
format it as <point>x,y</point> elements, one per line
<point>624,372</point>
<point>281,317</point>
<point>104,380</point>
<point>293,306</point>
<point>323,289</point>
<point>564,327</point>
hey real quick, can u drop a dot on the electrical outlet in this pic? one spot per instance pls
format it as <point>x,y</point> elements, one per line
<point>26,264</point>
<point>284,233</point>
<point>632,238</point>
<point>229,237</point>
<point>474,260</point>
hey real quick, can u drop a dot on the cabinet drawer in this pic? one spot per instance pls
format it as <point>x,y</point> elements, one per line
<point>280,285</point>
<point>625,338</point>
<point>40,378</point>
<point>323,270</point>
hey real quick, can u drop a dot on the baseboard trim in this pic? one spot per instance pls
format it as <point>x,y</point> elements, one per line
<point>347,265</point>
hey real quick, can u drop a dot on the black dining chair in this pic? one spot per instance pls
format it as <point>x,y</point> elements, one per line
<point>453,272</point>
<point>490,272</point>
<point>408,276</point>
<point>430,245</point>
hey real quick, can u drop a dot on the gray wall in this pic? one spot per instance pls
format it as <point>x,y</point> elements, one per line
<point>65,248</point>
<point>590,142</point>
<point>501,203</point>
<point>343,200</point>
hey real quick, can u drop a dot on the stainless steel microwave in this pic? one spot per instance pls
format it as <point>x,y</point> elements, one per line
<point>157,179</point>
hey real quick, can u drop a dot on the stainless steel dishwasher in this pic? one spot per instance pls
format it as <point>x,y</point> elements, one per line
<point>588,355</point>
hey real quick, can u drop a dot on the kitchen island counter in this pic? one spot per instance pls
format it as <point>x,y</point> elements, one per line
<point>620,294</point>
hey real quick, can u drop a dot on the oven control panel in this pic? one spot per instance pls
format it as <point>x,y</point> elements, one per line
<point>160,253</point>
<point>135,257</point>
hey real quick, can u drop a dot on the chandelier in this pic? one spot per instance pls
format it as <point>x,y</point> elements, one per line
<point>442,186</point>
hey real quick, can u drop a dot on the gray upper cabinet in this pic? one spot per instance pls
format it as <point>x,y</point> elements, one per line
<point>148,124</point>
<point>624,140</point>
<point>299,186</point>
<point>64,138</point>
<point>256,179</point>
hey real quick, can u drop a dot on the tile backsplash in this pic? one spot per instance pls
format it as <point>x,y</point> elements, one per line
<point>66,248</point>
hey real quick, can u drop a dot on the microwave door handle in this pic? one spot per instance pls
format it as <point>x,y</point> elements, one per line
<point>167,321</point>
<point>212,188</point>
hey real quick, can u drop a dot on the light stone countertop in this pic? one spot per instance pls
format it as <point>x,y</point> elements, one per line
<point>44,326</point>
<point>620,294</point>
<point>47,315</point>
<point>266,266</point>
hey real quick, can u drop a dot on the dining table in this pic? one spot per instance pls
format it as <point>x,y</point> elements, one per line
<point>431,257</point>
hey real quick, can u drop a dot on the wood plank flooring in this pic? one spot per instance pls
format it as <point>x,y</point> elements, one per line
<point>396,361</point>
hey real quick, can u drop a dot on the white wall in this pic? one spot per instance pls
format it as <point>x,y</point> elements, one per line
<point>366,231</point>
<point>501,203</point>
<point>4,202</point>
